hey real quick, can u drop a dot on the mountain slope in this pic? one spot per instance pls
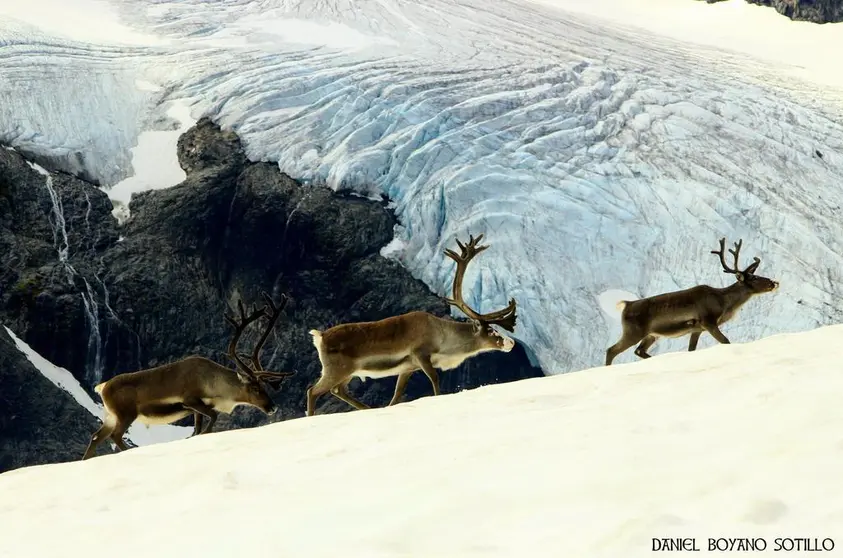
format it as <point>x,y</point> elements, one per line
<point>98,304</point>
<point>594,156</point>
<point>39,423</point>
<point>732,441</point>
<point>138,434</point>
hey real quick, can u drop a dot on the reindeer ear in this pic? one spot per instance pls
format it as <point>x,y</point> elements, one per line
<point>740,276</point>
<point>243,379</point>
<point>478,327</point>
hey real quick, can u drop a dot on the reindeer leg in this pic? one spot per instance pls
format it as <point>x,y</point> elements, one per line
<point>99,436</point>
<point>400,386</point>
<point>716,333</point>
<point>201,410</point>
<point>692,344</point>
<point>117,434</point>
<point>641,349</point>
<point>197,423</point>
<point>627,340</point>
<point>427,367</point>
<point>341,391</point>
<point>323,386</point>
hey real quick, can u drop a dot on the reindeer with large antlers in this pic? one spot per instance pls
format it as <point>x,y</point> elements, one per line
<point>401,345</point>
<point>690,311</point>
<point>194,384</point>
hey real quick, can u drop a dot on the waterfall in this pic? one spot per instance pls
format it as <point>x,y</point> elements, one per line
<point>92,242</point>
<point>94,369</point>
<point>57,222</point>
<point>290,216</point>
<point>94,365</point>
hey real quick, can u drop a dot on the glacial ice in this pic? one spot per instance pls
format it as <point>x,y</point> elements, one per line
<point>594,156</point>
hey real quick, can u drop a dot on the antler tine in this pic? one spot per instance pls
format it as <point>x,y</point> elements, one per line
<point>273,312</point>
<point>274,378</point>
<point>750,269</point>
<point>506,317</point>
<point>722,254</point>
<point>274,375</point>
<point>239,328</point>
<point>736,252</point>
<point>467,253</point>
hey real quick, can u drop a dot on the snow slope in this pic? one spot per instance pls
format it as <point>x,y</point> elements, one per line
<point>138,434</point>
<point>595,155</point>
<point>743,440</point>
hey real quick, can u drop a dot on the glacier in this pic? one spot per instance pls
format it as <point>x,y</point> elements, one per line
<point>600,158</point>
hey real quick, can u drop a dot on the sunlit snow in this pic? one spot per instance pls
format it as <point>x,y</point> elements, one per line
<point>597,151</point>
<point>741,440</point>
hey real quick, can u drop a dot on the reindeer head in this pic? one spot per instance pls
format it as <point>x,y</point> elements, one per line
<point>254,378</point>
<point>484,333</point>
<point>747,277</point>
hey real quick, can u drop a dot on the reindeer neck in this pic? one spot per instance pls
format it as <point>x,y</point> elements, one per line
<point>736,295</point>
<point>464,340</point>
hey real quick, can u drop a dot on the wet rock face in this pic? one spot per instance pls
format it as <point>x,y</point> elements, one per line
<point>53,232</point>
<point>158,286</point>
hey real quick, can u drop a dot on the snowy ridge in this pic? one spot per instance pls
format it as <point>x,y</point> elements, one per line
<point>593,155</point>
<point>138,434</point>
<point>595,464</point>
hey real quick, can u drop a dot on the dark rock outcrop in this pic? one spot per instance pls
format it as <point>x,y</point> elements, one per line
<point>54,230</point>
<point>39,423</point>
<point>815,11</point>
<point>155,289</point>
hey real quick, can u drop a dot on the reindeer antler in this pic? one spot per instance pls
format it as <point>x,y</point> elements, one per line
<point>272,312</point>
<point>736,255</point>
<point>239,328</point>
<point>506,317</point>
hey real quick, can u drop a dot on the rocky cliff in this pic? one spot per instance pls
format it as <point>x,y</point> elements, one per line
<point>815,11</point>
<point>39,423</point>
<point>100,299</point>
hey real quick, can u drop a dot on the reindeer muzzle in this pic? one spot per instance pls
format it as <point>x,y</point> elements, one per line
<point>508,344</point>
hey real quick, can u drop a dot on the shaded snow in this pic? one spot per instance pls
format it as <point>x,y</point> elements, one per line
<point>589,464</point>
<point>594,155</point>
<point>138,434</point>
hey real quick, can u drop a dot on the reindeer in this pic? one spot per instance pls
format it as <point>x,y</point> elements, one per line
<point>401,345</point>
<point>691,311</point>
<point>194,384</point>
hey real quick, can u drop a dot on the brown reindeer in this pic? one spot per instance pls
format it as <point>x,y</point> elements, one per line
<point>690,311</point>
<point>401,345</point>
<point>194,384</point>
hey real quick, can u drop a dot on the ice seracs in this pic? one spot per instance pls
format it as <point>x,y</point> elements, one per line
<point>594,154</point>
